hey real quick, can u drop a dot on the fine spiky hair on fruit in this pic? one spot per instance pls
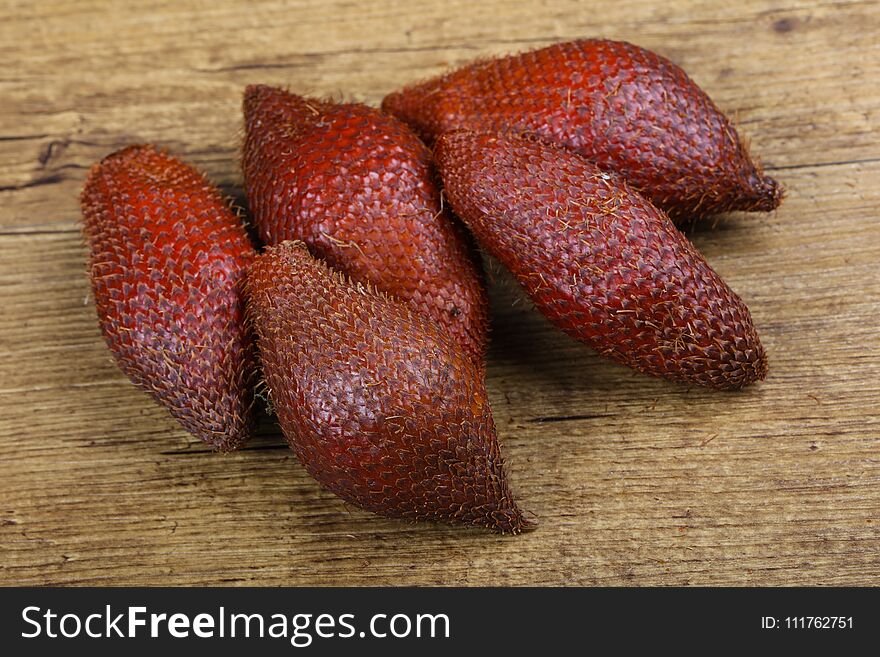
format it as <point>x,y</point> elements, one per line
<point>378,403</point>
<point>167,259</point>
<point>357,187</point>
<point>625,108</point>
<point>599,260</point>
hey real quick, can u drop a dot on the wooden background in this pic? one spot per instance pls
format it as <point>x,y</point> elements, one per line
<point>634,481</point>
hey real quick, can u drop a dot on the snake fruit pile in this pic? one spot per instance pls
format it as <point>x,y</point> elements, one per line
<point>367,310</point>
<point>624,108</point>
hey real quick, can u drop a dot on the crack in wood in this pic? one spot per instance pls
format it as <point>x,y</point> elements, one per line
<point>566,418</point>
<point>819,165</point>
<point>246,448</point>
<point>51,179</point>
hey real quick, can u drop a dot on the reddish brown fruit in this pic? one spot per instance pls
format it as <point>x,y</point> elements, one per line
<point>167,259</point>
<point>380,405</point>
<point>622,107</point>
<point>599,260</point>
<point>356,186</point>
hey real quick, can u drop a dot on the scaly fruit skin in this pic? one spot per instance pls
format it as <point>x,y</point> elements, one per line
<point>167,261</point>
<point>599,260</point>
<point>357,187</point>
<point>622,107</point>
<point>379,404</point>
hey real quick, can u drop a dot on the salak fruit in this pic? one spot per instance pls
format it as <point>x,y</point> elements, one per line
<point>599,260</point>
<point>379,404</point>
<point>624,108</point>
<point>167,259</point>
<point>357,187</point>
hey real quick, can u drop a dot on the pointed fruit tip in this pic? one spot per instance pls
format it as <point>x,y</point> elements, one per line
<point>510,520</point>
<point>770,193</point>
<point>762,194</point>
<point>253,95</point>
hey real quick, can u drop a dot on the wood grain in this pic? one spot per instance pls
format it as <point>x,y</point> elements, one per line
<point>633,481</point>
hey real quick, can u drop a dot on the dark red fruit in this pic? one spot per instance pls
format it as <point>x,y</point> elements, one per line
<point>622,107</point>
<point>167,259</point>
<point>378,402</point>
<point>356,186</point>
<point>599,260</point>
